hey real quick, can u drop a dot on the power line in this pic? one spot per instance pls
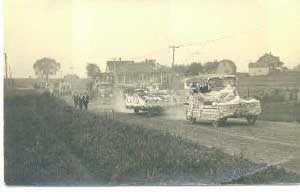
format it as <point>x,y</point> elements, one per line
<point>201,43</point>
<point>223,37</point>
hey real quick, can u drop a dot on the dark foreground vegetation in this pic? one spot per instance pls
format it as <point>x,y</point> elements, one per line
<point>49,143</point>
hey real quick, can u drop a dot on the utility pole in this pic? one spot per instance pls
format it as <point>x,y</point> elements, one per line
<point>115,71</point>
<point>173,47</point>
<point>6,68</point>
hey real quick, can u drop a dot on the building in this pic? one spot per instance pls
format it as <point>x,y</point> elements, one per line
<point>265,65</point>
<point>130,72</point>
<point>258,69</point>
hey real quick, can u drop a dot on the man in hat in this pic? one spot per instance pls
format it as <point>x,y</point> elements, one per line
<point>86,101</point>
<point>76,99</point>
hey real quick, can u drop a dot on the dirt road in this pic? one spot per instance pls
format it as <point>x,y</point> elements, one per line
<point>275,143</point>
<point>268,142</point>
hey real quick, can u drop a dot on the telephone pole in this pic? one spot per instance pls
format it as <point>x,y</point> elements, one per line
<point>6,68</point>
<point>173,47</point>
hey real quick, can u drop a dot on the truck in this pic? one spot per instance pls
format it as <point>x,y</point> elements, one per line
<point>215,98</point>
<point>105,92</point>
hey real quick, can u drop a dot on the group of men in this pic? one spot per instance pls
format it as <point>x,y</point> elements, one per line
<point>200,87</point>
<point>81,100</point>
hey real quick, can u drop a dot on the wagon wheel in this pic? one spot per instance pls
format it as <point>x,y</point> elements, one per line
<point>251,119</point>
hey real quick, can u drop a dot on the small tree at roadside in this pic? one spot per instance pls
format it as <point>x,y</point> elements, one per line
<point>45,67</point>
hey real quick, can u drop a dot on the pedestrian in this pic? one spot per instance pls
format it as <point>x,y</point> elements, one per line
<point>81,100</point>
<point>86,101</point>
<point>194,88</point>
<point>76,99</point>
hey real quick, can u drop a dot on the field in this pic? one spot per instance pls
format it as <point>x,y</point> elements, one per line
<point>49,143</point>
<point>259,84</point>
<point>281,111</point>
<point>287,111</point>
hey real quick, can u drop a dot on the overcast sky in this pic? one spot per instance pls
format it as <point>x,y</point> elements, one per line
<point>75,32</point>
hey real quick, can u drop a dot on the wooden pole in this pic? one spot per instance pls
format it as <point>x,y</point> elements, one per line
<point>6,68</point>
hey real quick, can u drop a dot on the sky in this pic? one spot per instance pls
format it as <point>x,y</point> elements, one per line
<point>77,32</point>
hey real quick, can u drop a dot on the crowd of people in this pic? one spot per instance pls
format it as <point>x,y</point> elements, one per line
<point>81,100</point>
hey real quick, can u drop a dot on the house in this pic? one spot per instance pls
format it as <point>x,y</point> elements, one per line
<point>258,69</point>
<point>265,65</point>
<point>144,72</point>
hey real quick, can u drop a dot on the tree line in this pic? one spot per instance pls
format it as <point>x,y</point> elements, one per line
<point>46,67</point>
<point>196,68</point>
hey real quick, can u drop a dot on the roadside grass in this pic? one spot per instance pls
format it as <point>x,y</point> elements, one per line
<point>48,142</point>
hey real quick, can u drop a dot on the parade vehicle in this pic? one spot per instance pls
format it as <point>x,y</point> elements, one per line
<point>105,92</point>
<point>215,98</point>
<point>146,100</point>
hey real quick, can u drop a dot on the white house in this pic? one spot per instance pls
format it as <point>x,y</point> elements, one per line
<point>258,69</point>
<point>265,65</point>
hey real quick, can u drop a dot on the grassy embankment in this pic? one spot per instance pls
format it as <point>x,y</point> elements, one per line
<point>50,143</point>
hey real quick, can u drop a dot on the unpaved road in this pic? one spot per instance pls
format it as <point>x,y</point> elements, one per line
<point>275,143</point>
<point>267,142</point>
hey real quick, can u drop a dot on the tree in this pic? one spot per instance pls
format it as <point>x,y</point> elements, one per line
<point>45,67</point>
<point>181,69</point>
<point>270,60</point>
<point>210,67</point>
<point>92,70</point>
<point>195,68</point>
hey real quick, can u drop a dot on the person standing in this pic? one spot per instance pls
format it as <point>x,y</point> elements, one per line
<point>81,101</point>
<point>194,88</point>
<point>76,99</point>
<point>86,101</point>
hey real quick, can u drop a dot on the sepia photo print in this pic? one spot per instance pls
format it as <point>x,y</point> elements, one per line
<point>151,92</point>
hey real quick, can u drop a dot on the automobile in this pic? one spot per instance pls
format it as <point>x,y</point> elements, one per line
<point>215,98</point>
<point>151,101</point>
